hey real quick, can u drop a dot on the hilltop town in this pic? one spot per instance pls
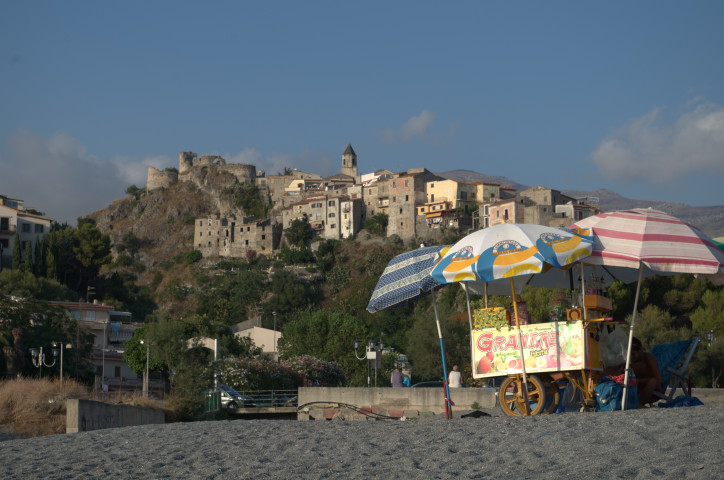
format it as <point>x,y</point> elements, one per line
<point>413,205</point>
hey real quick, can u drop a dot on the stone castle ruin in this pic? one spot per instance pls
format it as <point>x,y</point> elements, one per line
<point>188,171</point>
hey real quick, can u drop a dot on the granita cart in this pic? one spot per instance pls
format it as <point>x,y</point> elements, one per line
<point>554,351</point>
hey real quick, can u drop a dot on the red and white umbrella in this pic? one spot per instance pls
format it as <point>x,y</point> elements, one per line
<point>663,243</point>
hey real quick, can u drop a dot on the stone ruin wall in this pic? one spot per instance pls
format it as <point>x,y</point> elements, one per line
<point>160,178</point>
<point>186,164</point>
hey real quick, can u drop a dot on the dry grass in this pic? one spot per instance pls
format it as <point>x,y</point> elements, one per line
<point>31,408</point>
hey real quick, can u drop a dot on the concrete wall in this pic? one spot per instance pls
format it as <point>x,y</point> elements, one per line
<point>395,402</point>
<point>86,415</point>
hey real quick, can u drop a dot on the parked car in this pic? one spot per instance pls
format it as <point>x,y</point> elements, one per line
<point>429,384</point>
<point>230,398</point>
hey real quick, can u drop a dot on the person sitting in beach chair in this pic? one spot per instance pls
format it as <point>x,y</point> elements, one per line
<point>646,369</point>
<point>648,374</point>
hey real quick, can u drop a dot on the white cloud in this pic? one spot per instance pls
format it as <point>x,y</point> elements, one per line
<point>135,172</point>
<point>414,127</point>
<point>649,148</point>
<point>58,176</point>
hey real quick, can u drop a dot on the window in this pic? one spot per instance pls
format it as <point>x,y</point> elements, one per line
<point>400,210</point>
<point>117,372</point>
<point>38,228</point>
<point>432,185</point>
<point>331,215</point>
<point>333,226</point>
<point>246,242</point>
<point>331,203</point>
<point>4,243</point>
<point>432,197</point>
<point>26,228</point>
<point>394,184</point>
<point>394,199</point>
<point>263,237</point>
<point>407,183</point>
<point>5,224</point>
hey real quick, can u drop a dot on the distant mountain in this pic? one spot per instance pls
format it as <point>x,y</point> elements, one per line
<point>710,220</point>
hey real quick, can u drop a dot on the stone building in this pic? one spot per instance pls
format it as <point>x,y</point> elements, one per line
<point>232,237</point>
<point>330,216</point>
<point>349,163</point>
<point>537,205</point>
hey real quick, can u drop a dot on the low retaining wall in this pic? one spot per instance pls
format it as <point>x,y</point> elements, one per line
<point>394,402</point>
<point>86,415</point>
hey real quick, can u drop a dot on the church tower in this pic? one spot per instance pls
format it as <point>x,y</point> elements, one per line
<point>349,162</point>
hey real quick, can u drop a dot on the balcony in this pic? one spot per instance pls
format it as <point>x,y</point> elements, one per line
<point>8,230</point>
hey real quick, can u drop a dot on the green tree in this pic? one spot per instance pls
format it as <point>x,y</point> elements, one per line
<point>38,261</point>
<point>29,268</point>
<point>377,224</point>
<point>328,336</point>
<point>710,316</point>
<point>288,292</point>
<point>27,285</point>
<point>92,250</point>
<point>17,252</point>
<point>299,233</point>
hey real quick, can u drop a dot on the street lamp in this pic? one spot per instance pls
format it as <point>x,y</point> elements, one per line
<point>145,378</point>
<point>371,354</point>
<point>39,358</point>
<point>710,338</point>
<point>55,353</point>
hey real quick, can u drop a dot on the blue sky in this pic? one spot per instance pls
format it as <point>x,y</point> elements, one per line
<point>627,96</point>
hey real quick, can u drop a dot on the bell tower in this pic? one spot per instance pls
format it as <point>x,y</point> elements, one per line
<point>349,162</point>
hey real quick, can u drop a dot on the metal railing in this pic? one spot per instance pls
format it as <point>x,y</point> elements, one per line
<point>270,398</point>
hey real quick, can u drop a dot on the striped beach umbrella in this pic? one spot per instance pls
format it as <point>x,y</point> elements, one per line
<point>628,238</point>
<point>406,277</point>
<point>637,237</point>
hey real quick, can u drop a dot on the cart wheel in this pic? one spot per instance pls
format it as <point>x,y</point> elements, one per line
<point>511,395</point>
<point>553,394</point>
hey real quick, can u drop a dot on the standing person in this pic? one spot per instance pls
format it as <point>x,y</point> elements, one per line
<point>455,379</point>
<point>396,378</point>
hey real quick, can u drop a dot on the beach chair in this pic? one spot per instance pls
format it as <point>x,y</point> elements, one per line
<point>673,368</point>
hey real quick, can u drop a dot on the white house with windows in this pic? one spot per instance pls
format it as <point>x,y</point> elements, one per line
<point>15,219</point>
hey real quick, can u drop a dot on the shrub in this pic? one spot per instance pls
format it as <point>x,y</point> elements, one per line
<point>189,220</point>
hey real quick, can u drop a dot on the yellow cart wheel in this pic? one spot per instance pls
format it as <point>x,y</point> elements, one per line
<point>511,398</point>
<point>553,393</point>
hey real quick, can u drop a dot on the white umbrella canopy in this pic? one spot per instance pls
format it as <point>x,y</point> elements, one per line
<point>645,237</point>
<point>627,238</point>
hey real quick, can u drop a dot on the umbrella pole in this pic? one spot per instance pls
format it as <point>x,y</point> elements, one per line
<point>624,404</point>
<point>520,344</point>
<point>485,288</point>
<point>448,403</point>
<point>470,323</point>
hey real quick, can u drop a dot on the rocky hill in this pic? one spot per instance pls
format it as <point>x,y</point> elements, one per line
<point>163,219</point>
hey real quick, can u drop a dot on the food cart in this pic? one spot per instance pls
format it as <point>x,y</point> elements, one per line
<point>559,350</point>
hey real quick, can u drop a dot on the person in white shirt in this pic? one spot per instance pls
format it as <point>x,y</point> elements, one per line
<point>455,380</point>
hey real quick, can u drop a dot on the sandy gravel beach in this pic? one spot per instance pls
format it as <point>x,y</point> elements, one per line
<point>650,443</point>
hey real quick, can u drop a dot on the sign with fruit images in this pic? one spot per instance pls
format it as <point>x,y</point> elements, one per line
<point>496,317</point>
<point>548,347</point>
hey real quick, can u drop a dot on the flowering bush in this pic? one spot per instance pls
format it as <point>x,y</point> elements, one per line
<point>257,374</point>
<point>317,373</point>
<point>248,374</point>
